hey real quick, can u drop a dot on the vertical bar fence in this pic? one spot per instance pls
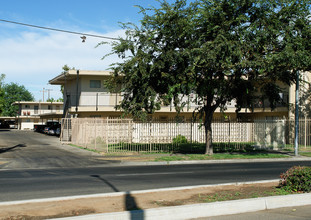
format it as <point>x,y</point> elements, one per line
<point>115,135</point>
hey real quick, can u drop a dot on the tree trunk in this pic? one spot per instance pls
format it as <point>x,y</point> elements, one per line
<point>208,133</point>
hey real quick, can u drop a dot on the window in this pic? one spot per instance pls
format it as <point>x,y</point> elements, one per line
<point>95,83</point>
<point>27,106</point>
<point>49,107</point>
<point>36,107</point>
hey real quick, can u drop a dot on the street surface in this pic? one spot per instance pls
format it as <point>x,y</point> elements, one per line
<point>37,166</point>
<point>55,182</point>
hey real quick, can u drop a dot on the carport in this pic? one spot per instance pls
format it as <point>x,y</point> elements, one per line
<point>8,121</point>
<point>51,116</point>
<point>46,120</point>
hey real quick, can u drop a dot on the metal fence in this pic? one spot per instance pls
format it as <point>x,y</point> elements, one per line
<point>123,135</point>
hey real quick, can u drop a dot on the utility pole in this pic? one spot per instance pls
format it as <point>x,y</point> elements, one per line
<point>43,91</point>
<point>48,90</point>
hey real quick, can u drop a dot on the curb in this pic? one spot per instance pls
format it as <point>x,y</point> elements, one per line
<point>204,210</point>
<point>151,163</point>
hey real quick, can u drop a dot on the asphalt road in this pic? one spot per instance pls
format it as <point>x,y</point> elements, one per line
<point>37,166</point>
<point>54,182</point>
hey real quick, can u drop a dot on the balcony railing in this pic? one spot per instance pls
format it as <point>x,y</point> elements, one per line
<point>98,100</point>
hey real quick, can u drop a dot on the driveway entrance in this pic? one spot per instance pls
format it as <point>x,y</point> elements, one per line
<point>28,149</point>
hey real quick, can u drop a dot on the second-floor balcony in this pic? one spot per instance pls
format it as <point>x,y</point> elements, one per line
<point>98,101</point>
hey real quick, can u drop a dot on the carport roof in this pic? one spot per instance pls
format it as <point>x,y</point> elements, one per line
<point>6,118</point>
<point>51,116</point>
<point>39,103</point>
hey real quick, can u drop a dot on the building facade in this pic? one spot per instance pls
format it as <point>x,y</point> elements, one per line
<point>31,113</point>
<point>86,96</point>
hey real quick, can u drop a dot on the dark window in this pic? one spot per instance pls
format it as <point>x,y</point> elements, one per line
<point>94,83</point>
<point>36,109</point>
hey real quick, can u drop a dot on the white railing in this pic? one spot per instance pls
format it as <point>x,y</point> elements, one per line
<point>104,99</point>
<point>118,135</point>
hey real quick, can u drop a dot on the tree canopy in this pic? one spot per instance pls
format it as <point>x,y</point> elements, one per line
<point>55,100</point>
<point>12,93</point>
<point>219,50</point>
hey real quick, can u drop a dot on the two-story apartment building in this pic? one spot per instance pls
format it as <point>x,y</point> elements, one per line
<point>31,113</point>
<point>86,96</point>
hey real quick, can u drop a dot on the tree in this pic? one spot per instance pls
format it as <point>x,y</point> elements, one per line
<point>65,68</point>
<point>12,93</point>
<point>220,50</point>
<point>55,100</point>
<point>51,100</point>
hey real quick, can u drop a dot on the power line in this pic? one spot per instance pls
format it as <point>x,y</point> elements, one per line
<point>59,30</point>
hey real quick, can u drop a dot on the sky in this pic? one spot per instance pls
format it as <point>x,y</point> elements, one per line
<point>31,56</point>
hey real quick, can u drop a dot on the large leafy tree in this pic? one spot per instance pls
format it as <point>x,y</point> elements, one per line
<point>12,93</point>
<point>219,50</point>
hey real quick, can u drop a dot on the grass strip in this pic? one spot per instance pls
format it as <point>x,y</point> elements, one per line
<point>219,156</point>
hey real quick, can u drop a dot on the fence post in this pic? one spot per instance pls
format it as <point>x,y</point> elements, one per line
<point>150,144</point>
<point>61,130</point>
<point>68,129</point>
<point>106,130</point>
<point>83,127</point>
<point>305,134</point>
<point>191,127</point>
<point>95,132</point>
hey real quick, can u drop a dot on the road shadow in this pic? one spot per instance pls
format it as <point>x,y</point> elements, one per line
<point>6,149</point>
<point>130,203</point>
<point>107,182</point>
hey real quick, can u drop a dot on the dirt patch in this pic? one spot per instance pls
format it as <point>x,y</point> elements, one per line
<point>117,203</point>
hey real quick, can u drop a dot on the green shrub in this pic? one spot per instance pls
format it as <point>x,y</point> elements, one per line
<point>180,139</point>
<point>296,179</point>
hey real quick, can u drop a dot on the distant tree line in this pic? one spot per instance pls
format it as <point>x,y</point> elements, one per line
<point>10,93</point>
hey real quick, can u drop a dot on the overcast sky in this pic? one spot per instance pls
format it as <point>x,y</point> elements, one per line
<point>31,57</point>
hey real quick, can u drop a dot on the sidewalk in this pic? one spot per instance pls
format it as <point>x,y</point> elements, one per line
<point>208,211</point>
<point>288,213</point>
